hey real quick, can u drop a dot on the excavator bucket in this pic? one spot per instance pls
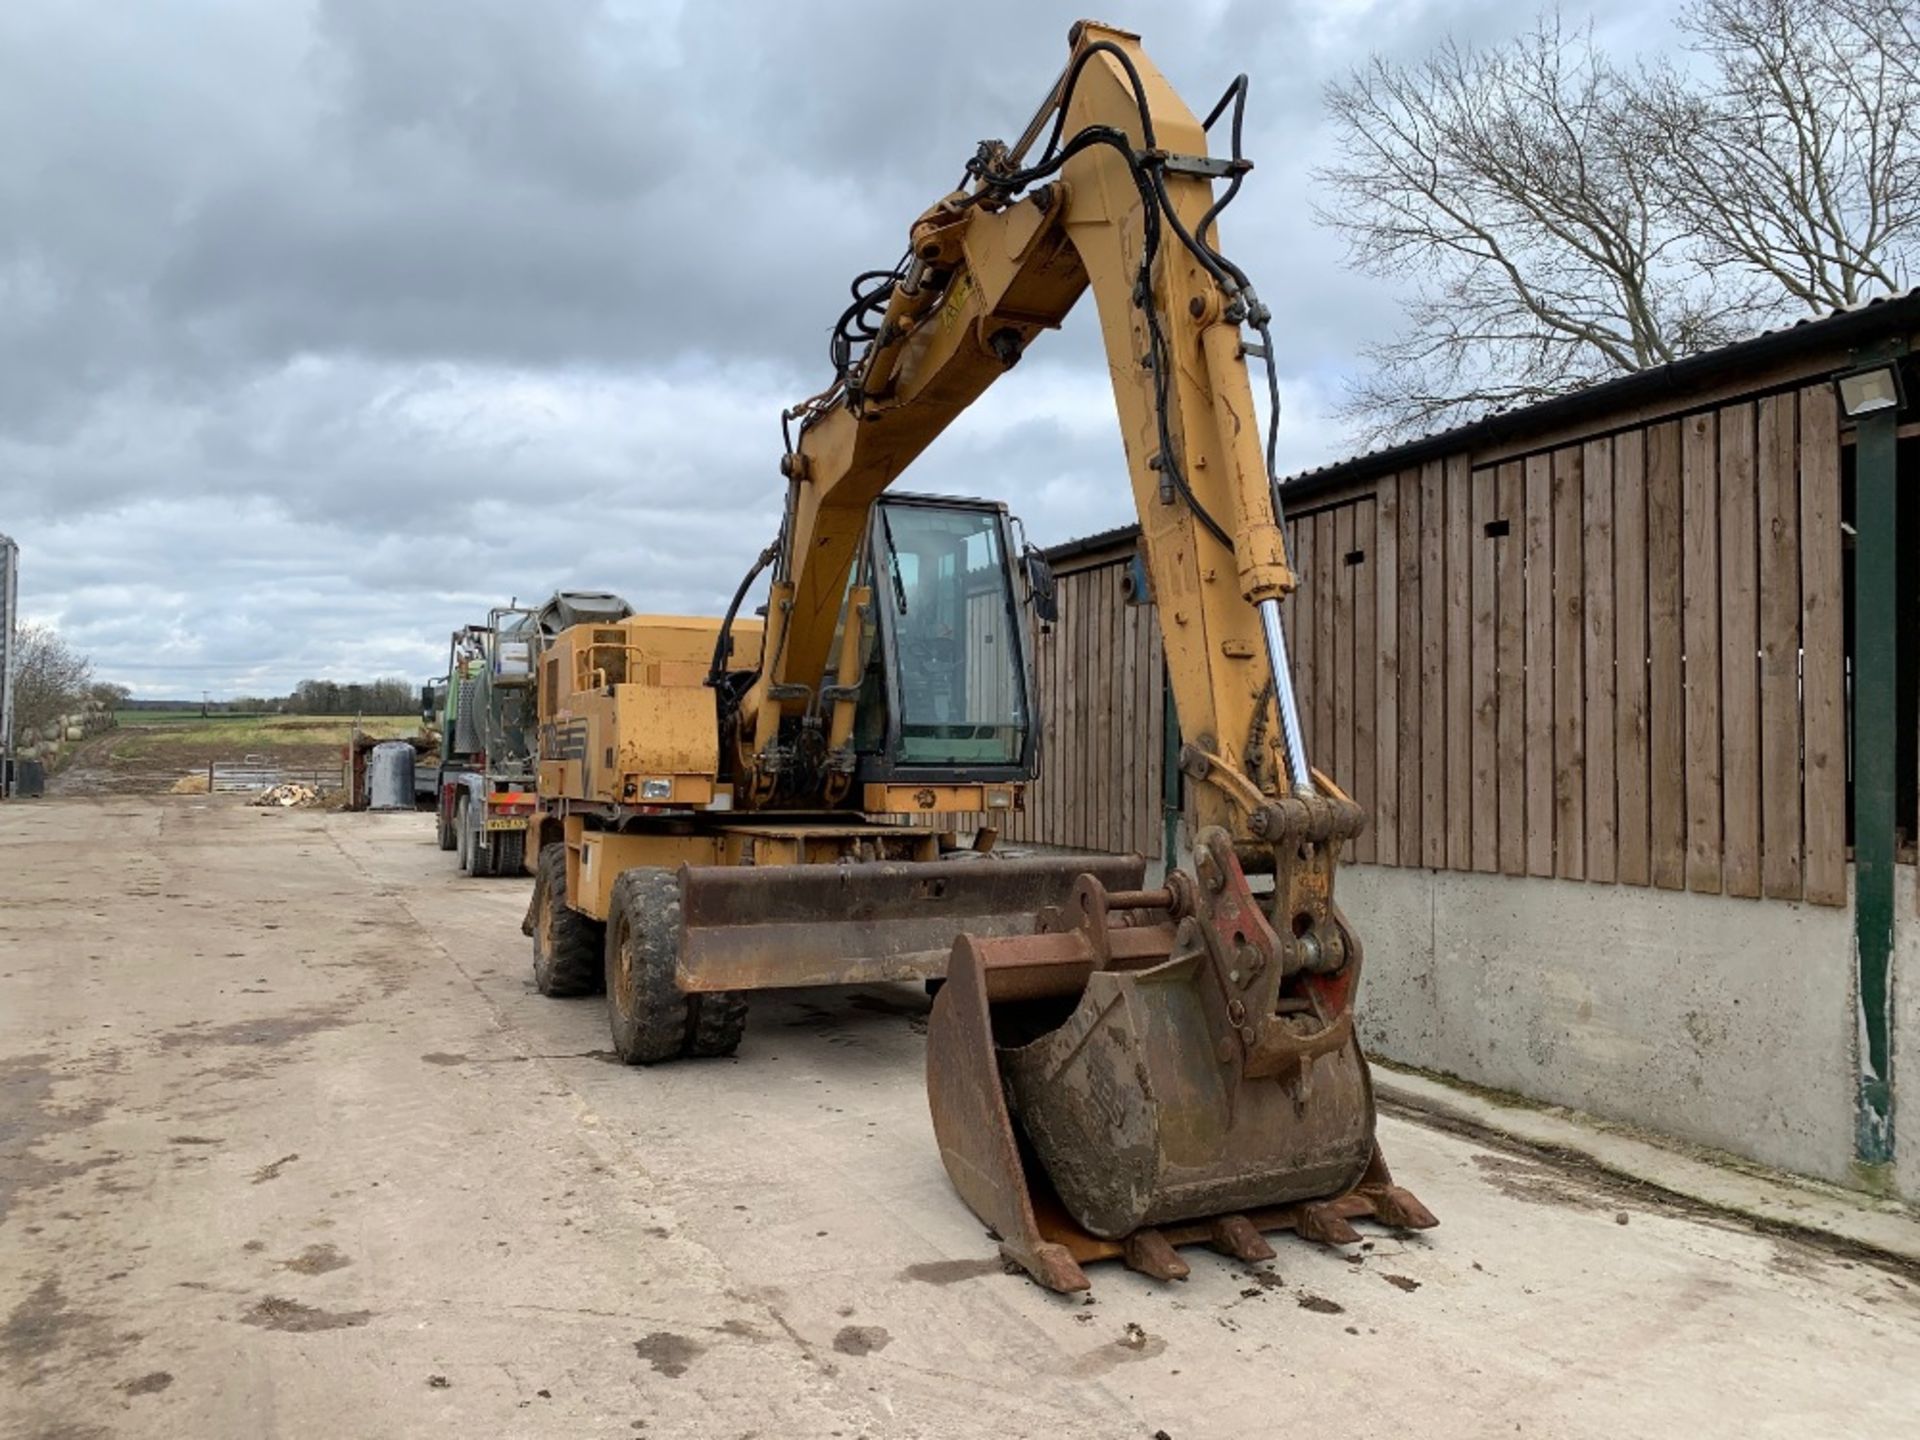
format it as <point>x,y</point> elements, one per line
<point>1155,1069</point>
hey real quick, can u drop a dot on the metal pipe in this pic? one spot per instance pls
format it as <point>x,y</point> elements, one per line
<point>1295,742</point>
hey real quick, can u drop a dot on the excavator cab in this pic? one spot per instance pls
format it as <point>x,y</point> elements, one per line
<point>945,684</point>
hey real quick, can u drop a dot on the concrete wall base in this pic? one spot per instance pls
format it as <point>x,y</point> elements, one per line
<point>1728,1023</point>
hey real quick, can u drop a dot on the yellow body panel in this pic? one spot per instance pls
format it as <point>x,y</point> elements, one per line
<point>992,799</point>
<point>627,717</point>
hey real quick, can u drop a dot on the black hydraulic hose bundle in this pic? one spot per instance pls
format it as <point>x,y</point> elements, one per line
<point>872,290</point>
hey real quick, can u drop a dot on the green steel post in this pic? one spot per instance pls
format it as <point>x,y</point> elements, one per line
<point>1876,469</point>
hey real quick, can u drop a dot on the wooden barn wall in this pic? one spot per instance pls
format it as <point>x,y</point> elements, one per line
<point>1619,660</point>
<point>1099,680</point>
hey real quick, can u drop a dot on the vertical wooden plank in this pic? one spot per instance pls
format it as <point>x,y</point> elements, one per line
<point>1117,722</point>
<point>1484,830</point>
<point>1060,783</point>
<point>1341,757</point>
<point>1459,486</point>
<point>1326,565</point>
<point>1366,667</point>
<point>1131,714</point>
<point>1780,778</point>
<point>1106,774</point>
<point>1099,721</point>
<point>1510,663</point>
<point>1131,724</point>
<point>1569,672</point>
<point>1302,629</point>
<point>1597,508</point>
<point>1630,653</point>
<point>1539,581</point>
<point>1823,648</point>
<point>1739,654</point>
<point>1385,565</point>
<point>1433,667</point>
<point>1700,606</point>
<point>1076,759</point>
<point>1056,767</point>
<point>1048,827</point>
<point>1092,720</point>
<point>1154,697</point>
<point>1150,702</point>
<point>1666,666</point>
<point>1408,740</point>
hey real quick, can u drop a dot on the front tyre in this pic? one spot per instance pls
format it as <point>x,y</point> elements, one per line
<point>651,1018</point>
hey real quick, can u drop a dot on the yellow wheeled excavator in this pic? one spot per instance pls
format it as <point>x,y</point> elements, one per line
<point>1113,1070</point>
<point>1138,1069</point>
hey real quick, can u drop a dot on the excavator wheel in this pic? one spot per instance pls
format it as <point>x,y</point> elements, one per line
<point>651,1018</point>
<point>568,947</point>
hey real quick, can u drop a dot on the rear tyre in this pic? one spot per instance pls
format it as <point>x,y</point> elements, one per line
<point>568,947</point>
<point>651,1019</point>
<point>476,853</point>
<point>719,1020</point>
<point>463,833</point>
<point>443,827</point>
<point>509,852</point>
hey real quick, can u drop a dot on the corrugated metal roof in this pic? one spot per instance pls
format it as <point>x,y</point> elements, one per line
<point>1087,544</point>
<point>1870,318</point>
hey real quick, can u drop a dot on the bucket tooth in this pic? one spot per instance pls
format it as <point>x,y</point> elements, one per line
<point>1052,1265</point>
<point>1323,1222</point>
<point>1392,1205</point>
<point>1235,1235</point>
<point>1149,1252</point>
<point>1400,1209</point>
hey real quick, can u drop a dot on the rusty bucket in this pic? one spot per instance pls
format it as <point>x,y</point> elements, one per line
<point>1159,1068</point>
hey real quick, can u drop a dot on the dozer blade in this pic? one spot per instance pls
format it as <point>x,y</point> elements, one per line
<point>1098,1092</point>
<point>771,926</point>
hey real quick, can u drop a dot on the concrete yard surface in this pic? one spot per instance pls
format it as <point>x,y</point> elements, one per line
<point>289,1147</point>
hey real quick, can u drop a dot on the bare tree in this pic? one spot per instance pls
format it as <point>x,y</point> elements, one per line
<point>50,678</point>
<point>1565,219</point>
<point>1798,163</point>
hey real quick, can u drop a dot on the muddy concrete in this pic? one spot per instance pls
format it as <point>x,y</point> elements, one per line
<point>361,1180</point>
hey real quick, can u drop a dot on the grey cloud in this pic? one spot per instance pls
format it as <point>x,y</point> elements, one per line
<point>323,327</point>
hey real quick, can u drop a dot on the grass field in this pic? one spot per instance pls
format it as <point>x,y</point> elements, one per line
<point>155,733</point>
<point>150,751</point>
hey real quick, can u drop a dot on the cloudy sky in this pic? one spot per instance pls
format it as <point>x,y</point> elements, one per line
<point>324,324</point>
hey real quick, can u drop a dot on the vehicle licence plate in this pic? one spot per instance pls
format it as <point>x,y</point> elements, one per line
<point>511,823</point>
